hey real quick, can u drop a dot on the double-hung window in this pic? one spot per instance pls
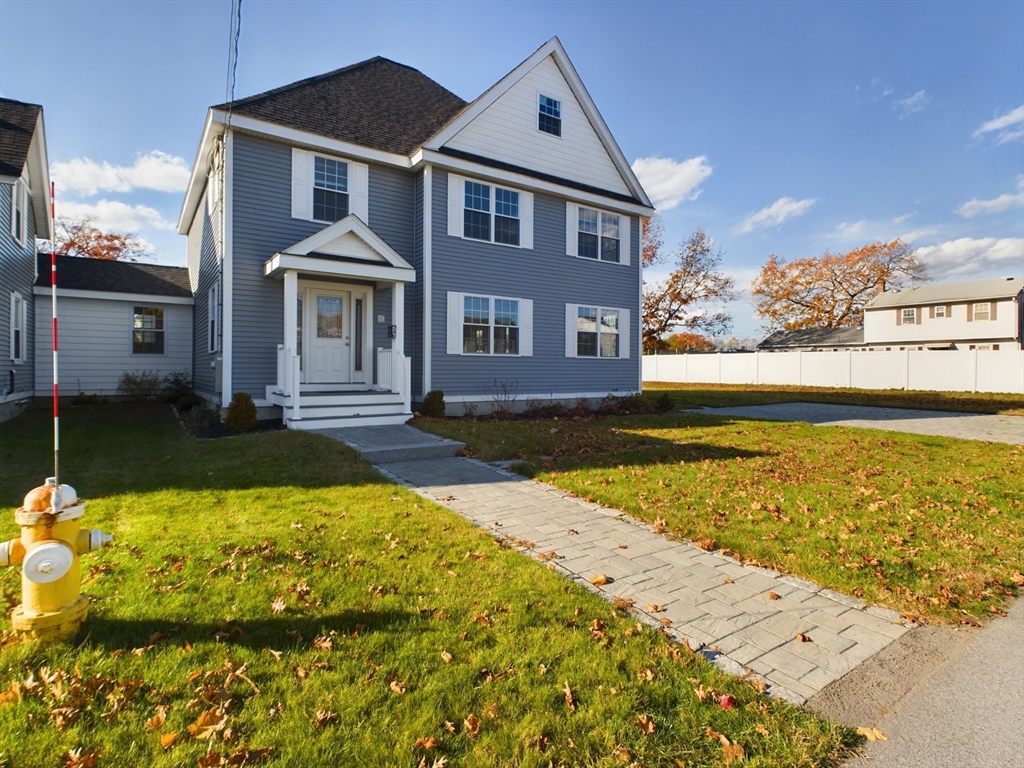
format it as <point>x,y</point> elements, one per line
<point>489,213</point>
<point>489,325</point>
<point>148,331</point>
<point>982,311</point>
<point>212,318</point>
<point>330,189</point>
<point>909,316</point>
<point>478,217</point>
<point>595,331</point>
<point>19,211</point>
<point>549,115</point>
<point>598,235</point>
<point>18,322</point>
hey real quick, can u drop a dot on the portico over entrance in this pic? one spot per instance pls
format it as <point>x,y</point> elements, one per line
<point>332,368</point>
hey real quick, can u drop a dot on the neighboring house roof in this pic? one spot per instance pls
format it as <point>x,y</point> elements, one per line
<point>77,273</point>
<point>814,337</point>
<point>376,103</point>
<point>975,290</point>
<point>17,125</point>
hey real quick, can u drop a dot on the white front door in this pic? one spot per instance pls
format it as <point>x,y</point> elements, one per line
<point>330,337</point>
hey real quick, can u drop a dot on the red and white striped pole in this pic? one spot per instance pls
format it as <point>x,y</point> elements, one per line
<point>56,386</point>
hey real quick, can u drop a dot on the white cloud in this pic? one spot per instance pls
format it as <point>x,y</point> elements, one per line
<point>916,234</point>
<point>911,104</point>
<point>856,229</point>
<point>776,213</point>
<point>154,170</point>
<point>669,183</point>
<point>113,215</point>
<point>1002,123</point>
<point>996,205</point>
<point>901,219</point>
<point>968,256</point>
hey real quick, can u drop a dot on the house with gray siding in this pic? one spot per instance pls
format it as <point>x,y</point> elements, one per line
<point>360,238</point>
<point>24,216</point>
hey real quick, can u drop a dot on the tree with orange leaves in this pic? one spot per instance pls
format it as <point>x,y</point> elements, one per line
<point>830,291</point>
<point>80,237</point>
<point>689,342</point>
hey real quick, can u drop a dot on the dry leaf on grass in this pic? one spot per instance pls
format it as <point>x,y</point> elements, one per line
<point>761,729</point>
<point>622,755</point>
<point>211,722</point>
<point>168,739</point>
<point>872,734</point>
<point>491,711</point>
<point>570,700</point>
<point>82,758</point>
<point>325,718</point>
<point>278,605</point>
<point>11,696</point>
<point>646,723</point>
<point>472,725</point>
<point>428,743</point>
<point>397,687</point>
<point>447,657</point>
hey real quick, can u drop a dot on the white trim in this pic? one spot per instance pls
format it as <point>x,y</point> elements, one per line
<point>539,93</point>
<point>213,318</point>
<point>553,48</point>
<point>75,293</point>
<point>524,181</point>
<point>227,325</point>
<point>351,224</point>
<point>428,277</point>
<point>572,229</point>
<point>132,329</point>
<point>543,396</point>
<point>18,317</point>
<point>572,328</point>
<point>640,304</point>
<point>22,394</point>
<point>457,320</point>
<point>279,263</point>
<point>457,211</point>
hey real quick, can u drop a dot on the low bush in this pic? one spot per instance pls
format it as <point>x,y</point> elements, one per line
<point>139,383</point>
<point>88,399</point>
<point>433,404</point>
<point>176,385</point>
<point>241,416</point>
<point>188,401</point>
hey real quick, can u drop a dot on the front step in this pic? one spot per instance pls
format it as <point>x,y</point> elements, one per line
<point>393,444</point>
<point>341,422</point>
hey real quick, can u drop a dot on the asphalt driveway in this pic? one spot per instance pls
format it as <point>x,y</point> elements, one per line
<point>968,426</point>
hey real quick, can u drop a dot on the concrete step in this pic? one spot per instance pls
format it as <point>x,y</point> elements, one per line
<point>312,422</point>
<point>395,443</point>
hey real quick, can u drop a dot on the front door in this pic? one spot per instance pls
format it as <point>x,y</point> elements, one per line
<point>330,338</point>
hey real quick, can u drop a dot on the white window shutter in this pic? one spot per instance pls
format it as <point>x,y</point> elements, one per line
<point>14,208</point>
<point>570,330</point>
<point>301,185</point>
<point>455,203</point>
<point>526,327</point>
<point>359,191</point>
<point>526,219</point>
<point>570,229</point>
<point>625,244</point>
<point>454,323</point>
<point>624,333</point>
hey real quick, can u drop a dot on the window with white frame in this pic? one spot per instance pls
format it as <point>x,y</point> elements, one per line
<point>909,316</point>
<point>330,189</point>
<point>19,211</point>
<point>489,325</point>
<point>940,311</point>
<point>595,331</point>
<point>212,318</point>
<point>549,115</point>
<point>982,311</point>
<point>597,235</point>
<point>18,323</point>
<point>497,223</point>
<point>148,331</point>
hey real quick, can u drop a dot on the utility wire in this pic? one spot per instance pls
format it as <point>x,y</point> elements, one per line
<point>235,33</point>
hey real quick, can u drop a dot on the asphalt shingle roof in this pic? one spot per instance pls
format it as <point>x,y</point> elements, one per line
<point>974,290</point>
<point>17,124</point>
<point>77,273</point>
<point>814,337</point>
<point>376,103</point>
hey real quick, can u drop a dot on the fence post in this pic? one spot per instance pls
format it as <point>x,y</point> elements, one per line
<point>849,369</point>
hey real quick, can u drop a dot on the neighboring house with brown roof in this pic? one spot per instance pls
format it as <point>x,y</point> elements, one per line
<point>980,314</point>
<point>24,216</point>
<point>813,340</point>
<point>115,317</point>
<point>362,237</point>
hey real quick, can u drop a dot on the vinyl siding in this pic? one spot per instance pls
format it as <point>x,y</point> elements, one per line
<point>880,326</point>
<point>96,343</point>
<point>17,273</point>
<point>548,277</point>
<point>262,225</point>
<point>204,272</point>
<point>507,130</point>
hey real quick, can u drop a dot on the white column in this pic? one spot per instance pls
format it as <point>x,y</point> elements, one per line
<point>398,317</point>
<point>291,300</point>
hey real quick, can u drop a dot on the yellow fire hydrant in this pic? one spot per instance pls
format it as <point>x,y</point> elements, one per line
<point>52,606</point>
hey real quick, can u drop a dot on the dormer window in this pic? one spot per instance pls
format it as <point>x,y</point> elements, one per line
<point>330,189</point>
<point>549,116</point>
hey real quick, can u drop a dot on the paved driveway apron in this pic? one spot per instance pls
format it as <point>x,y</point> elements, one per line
<point>969,426</point>
<point>744,619</point>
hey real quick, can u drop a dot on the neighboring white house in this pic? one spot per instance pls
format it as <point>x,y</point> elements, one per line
<point>981,314</point>
<point>113,317</point>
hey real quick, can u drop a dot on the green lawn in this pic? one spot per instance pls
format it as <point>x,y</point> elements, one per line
<point>930,526</point>
<point>375,628</point>
<point>722,395</point>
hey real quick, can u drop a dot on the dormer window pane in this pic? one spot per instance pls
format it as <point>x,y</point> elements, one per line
<point>549,116</point>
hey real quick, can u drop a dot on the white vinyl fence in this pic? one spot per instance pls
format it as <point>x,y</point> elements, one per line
<point>940,371</point>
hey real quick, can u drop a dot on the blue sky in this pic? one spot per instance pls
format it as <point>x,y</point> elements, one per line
<point>785,128</point>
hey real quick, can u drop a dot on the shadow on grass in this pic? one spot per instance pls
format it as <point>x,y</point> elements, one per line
<point>277,632</point>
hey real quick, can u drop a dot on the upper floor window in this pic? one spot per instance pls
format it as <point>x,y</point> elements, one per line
<point>982,311</point>
<point>940,311</point>
<point>330,189</point>
<point>19,211</point>
<point>549,115</point>
<point>148,331</point>
<point>597,235</point>
<point>212,317</point>
<point>497,223</point>
<point>18,321</point>
<point>909,316</point>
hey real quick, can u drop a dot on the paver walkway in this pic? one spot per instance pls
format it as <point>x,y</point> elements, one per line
<point>745,619</point>
<point>969,426</point>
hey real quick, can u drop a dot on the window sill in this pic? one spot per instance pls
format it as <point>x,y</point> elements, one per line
<point>601,261</point>
<point>492,242</point>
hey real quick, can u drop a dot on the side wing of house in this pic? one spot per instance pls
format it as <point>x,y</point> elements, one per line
<point>203,254</point>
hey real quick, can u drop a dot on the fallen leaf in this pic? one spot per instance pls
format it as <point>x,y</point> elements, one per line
<point>761,729</point>
<point>997,611</point>
<point>872,734</point>
<point>491,711</point>
<point>212,721</point>
<point>600,580</point>
<point>446,656</point>
<point>659,525</point>
<point>449,497</point>
<point>802,637</point>
<point>773,596</point>
<point>81,758</point>
<point>540,743</point>
<point>428,743</point>
<point>732,752</point>
<point>168,739</point>
<point>646,675</point>
<point>725,701</point>
<point>623,603</point>
<point>397,687</point>
<point>665,621</point>
<point>622,754</point>
<point>571,532</point>
<point>449,726</point>
<point>325,717</point>
<point>472,725</point>
<point>653,608</point>
<point>278,605</point>
<point>646,723</point>
<point>157,720</point>
<point>11,696</point>
<point>570,700</point>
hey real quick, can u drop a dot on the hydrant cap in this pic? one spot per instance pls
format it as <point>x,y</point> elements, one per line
<point>47,562</point>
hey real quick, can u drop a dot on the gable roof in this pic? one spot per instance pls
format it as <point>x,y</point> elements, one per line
<point>17,126</point>
<point>376,103</point>
<point>814,337</point>
<point>974,290</point>
<point>81,274</point>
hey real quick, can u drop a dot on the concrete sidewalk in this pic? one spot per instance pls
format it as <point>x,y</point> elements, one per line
<point>797,637</point>
<point>968,426</point>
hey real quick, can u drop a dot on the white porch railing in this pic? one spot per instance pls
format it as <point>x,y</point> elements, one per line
<point>394,374</point>
<point>384,372</point>
<point>288,378</point>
